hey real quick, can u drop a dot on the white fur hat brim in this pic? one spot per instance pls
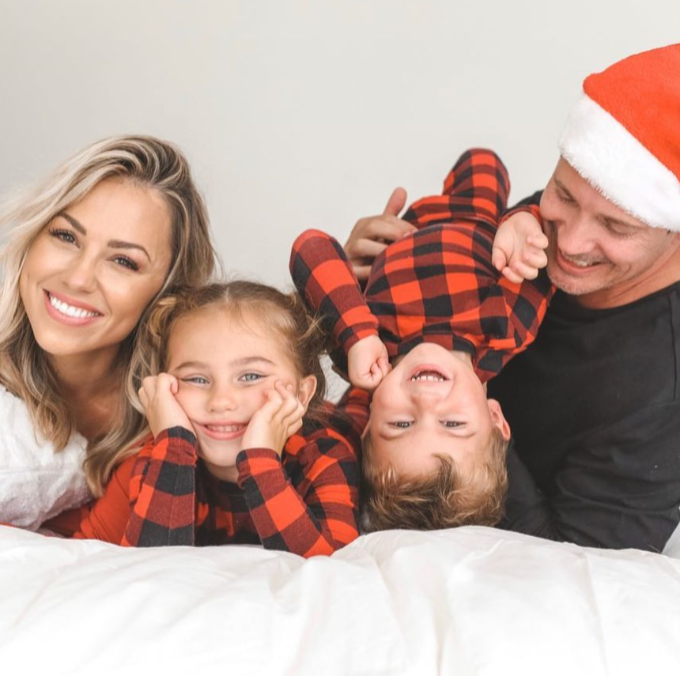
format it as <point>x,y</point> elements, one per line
<point>605,154</point>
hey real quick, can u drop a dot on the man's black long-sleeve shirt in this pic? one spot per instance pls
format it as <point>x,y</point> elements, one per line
<point>594,406</point>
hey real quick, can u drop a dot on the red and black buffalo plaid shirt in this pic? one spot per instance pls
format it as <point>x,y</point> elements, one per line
<point>306,502</point>
<point>436,284</point>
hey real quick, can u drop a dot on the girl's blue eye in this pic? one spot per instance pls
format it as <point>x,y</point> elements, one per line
<point>403,424</point>
<point>451,423</point>
<point>251,377</point>
<point>196,380</point>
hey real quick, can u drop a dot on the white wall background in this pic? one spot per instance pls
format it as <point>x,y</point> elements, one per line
<point>307,113</point>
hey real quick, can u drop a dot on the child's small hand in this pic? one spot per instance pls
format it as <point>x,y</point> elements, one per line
<point>368,363</point>
<point>276,421</point>
<point>519,248</point>
<point>163,411</point>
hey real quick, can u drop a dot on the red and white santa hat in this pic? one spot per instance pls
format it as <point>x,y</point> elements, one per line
<point>623,135</point>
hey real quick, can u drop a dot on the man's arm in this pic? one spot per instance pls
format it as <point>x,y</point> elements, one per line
<point>620,490</point>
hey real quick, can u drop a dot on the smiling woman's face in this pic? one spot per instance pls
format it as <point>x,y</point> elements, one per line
<point>94,268</point>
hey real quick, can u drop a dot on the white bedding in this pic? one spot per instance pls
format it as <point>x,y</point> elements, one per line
<point>471,600</point>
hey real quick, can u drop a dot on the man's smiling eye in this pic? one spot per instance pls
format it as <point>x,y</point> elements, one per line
<point>565,198</point>
<point>620,230</point>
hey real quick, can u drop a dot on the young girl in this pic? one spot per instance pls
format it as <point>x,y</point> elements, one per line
<point>231,459</point>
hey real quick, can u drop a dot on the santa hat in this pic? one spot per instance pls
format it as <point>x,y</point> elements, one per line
<point>623,135</point>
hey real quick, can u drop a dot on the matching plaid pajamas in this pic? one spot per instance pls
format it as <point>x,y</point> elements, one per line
<point>306,502</point>
<point>434,285</point>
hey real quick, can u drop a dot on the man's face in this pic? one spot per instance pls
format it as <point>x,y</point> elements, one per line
<point>598,252</point>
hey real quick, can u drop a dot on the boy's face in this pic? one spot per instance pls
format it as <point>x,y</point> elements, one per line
<point>431,403</point>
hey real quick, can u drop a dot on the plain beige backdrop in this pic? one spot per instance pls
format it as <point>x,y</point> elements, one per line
<point>300,114</point>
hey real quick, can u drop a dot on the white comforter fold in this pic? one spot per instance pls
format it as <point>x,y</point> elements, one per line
<point>470,600</point>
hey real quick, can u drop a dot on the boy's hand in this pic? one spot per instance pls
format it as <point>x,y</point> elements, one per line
<point>371,235</point>
<point>163,411</point>
<point>368,363</point>
<point>278,419</point>
<point>519,248</point>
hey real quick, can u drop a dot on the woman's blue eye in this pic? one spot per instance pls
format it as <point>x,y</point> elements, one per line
<point>69,237</point>
<point>126,262</point>
<point>64,235</point>
<point>250,377</point>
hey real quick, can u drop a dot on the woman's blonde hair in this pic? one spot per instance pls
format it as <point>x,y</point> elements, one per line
<point>24,368</point>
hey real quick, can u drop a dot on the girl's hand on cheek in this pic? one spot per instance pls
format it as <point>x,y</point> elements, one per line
<point>278,419</point>
<point>162,409</point>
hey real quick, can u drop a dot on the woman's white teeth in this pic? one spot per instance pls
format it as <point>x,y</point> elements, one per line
<point>75,312</point>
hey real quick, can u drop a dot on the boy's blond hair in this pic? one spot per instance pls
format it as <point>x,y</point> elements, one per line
<point>447,498</point>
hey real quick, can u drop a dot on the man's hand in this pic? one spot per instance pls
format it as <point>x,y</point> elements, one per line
<point>371,235</point>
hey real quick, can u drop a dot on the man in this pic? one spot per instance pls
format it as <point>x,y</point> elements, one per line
<point>594,404</point>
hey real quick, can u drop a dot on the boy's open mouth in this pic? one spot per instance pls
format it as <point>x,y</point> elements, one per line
<point>428,375</point>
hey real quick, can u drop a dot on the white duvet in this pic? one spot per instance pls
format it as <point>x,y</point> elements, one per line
<point>471,600</point>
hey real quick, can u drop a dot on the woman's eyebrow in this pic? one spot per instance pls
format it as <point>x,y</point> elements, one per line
<point>114,243</point>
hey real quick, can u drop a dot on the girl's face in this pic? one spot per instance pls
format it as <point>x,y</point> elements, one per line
<point>225,368</point>
<point>94,268</point>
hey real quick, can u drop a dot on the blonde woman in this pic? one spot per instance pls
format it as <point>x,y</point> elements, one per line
<point>86,255</point>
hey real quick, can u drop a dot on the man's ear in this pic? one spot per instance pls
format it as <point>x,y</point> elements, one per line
<point>498,419</point>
